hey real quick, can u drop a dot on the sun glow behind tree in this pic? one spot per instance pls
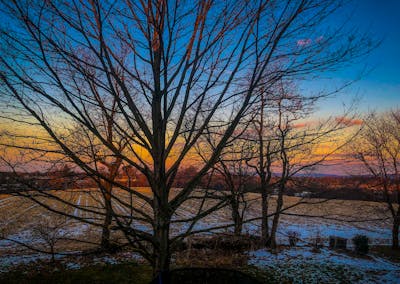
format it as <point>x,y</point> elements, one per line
<point>143,82</point>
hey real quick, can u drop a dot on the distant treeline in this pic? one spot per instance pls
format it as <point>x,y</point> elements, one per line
<point>335,187</point>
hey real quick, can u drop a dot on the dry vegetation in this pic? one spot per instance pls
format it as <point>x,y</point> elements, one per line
<point>22,218</point>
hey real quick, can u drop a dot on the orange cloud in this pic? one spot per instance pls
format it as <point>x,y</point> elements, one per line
<point>300,125</point>
<point>348,121</point>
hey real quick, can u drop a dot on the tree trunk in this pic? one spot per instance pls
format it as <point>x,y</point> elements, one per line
<point>107,186</point>
<point>264,217</point>
<point>395,234</point>
<point>237,219</point>
<point>105,236</point>
<point>162,219</point>
<point>275,221</point>
<point>163,254</point>
<point>53,259</point>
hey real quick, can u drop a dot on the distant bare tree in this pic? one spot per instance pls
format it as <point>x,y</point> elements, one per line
<point>173,69</point>
<point>286,145</point>
<point>51,230</point>
<point>233,169</point>
<point>94,152</point>
<point>378,149</point>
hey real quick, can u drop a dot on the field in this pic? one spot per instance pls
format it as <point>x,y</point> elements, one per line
<point>21,219</point>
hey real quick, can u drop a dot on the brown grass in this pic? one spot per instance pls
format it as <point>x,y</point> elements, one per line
<point>386,252</point>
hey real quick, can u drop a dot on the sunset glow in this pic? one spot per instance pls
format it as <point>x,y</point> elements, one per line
<point>177,141</point>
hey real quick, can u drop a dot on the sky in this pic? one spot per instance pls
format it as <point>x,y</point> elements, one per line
<point>378,88</point>
<point>376,85</point>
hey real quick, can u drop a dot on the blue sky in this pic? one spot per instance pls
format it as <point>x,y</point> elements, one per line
<point>379,88</point>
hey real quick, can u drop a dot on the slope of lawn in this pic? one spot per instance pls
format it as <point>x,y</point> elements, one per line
<point>117,273</point>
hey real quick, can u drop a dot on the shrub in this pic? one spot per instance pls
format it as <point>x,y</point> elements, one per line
<point>294,237</point>
<point>317,243</point>
<point>337,242</point>
<point>361,244</point>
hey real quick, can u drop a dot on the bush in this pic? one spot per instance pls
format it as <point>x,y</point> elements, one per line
<point>361,244</point>
<point>226,242</point>
<point>294,237</point>
<point>318,242</point>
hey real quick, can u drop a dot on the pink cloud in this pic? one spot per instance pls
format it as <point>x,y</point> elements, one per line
<point>348,121</point>
<point>301,125</point>
<point>319,39</point>
<point>304,42</point>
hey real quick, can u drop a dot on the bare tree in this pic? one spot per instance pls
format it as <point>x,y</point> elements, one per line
<point>233,169</point>
<point>101,157</point>
<point>286,145</point>
<point>266,153</point>
<point>378,149</point>
<point>173,70</point>
<point>51,230</point>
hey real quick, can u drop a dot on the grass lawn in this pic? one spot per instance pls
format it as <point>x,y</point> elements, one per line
<point>116,273</point>
<point>119,273</point>
<point>132,272</point>
<point>140,273</point>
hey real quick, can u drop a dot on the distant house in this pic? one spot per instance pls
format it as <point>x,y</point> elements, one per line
<point>275,191</point>
<point>303,194</point>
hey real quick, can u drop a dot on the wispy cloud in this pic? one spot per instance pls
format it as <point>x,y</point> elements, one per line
<point>348,121</point>
<point>301,125</point>
<point>304,42</point>
<point>319,39</point>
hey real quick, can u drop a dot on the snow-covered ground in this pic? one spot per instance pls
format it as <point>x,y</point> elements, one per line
<point>302,265</point>
<point>333,218</point>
